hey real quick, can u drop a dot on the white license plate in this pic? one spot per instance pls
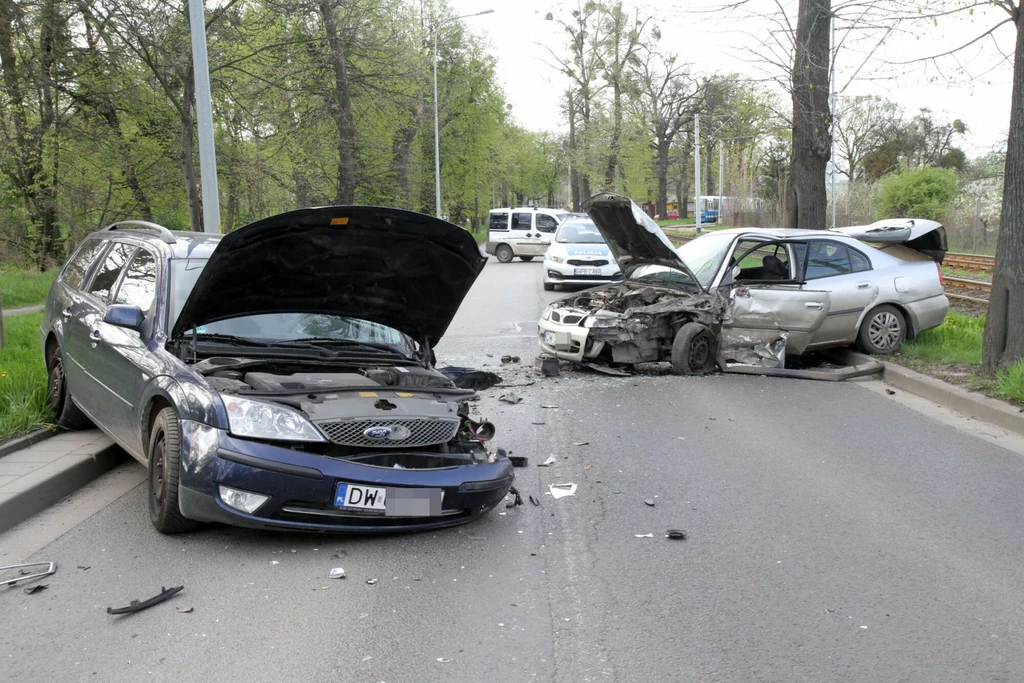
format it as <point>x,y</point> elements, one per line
<point>587,271</point>
<point>549,338</point>
<point>360,497</point>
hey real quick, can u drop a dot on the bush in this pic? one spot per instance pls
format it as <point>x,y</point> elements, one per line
<point>918,193</point>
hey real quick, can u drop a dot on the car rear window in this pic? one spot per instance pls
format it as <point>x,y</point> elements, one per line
<point>78,266</point>
<point>117,258</point>
<point>825,259</point>
<point>498,221</point>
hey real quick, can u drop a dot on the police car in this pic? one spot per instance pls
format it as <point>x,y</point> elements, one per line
<point>578,255</point>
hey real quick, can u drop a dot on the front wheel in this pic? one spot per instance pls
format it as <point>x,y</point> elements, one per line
<point>504,253</point>
<point>882,331</point>
<point>526,258</point>
<point>164,471</point>
<point>66,414</point>
<point>693,351</point>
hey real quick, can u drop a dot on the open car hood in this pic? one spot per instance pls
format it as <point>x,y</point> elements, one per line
<point>397,268</point>
<point>925,236</point>
<point>632,236</point>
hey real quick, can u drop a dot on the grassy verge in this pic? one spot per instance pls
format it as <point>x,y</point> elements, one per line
<point>952,352</point>
<point>25,287</point>
<point>674,221</point>
<point>22,378</point>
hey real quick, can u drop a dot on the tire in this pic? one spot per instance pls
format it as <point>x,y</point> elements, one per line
<point>66,414</point>
<point>164,470</point>
<point>882,331</point>
<point>504,253</point>
<point>549,286</point>
<point>526,258</point>
<point>693,351</point>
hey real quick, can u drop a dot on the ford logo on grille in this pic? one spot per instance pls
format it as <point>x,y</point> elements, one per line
<point>377,433</point>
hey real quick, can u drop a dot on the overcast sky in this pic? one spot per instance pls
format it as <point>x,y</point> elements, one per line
<point>979,94</point>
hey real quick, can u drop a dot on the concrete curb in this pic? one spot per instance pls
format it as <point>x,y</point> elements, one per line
<point>26,441</point>
<point>47,485</point>
<point>983,408</point>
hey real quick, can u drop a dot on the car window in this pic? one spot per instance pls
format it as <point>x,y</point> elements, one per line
<point>139,285</point>
<point>826,259</point>
<point>522,221</point>
<point>858,261</point>
<point>578,232</point>
<point>704,255</point>
<point>498,221</point>
<point>117,258</point>
<point>78,266</point>
<point>546,223</point>
<point>761,261</point>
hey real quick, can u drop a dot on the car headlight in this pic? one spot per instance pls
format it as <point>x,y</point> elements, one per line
<point>556,259</point>
<point>259,420</point>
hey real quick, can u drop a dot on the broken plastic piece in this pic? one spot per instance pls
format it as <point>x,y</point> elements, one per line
<point>444,660</point>
<point>549,462</point>
<point>371,581</point>
<point>510,398</point>
<point>517,500</point>
<point>550,405</point>
<point>644,535</point>
<point>534,501</point>
<point>562,490</point>
<point>519,460</point>
<point>546,366</point>
<point>51,567</point>
<point>468,378</point>
<point>677,534</point>
<point>614,372</point>
<point>136,606</point>
<point>337,573</point>
<point>184,610</point>
<point>582,443</point>
<point>36,588</point>
<point>650,502</point>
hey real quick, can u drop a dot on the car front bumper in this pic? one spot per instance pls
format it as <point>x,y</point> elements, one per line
<point>301,486</point>
<point>565,274</point>
<point>565,341</point>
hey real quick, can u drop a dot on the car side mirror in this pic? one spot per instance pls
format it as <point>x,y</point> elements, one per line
<point>121,315</point>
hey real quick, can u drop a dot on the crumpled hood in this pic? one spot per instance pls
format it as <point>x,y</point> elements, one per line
<point>402,269</point>
<point>633,237</point>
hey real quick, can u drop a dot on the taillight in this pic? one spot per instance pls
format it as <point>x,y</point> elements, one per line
<point>942,278</point>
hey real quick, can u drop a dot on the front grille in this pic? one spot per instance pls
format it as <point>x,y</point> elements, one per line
<point>421,432</point>
<point>581,262</point>
<point>572,319</point>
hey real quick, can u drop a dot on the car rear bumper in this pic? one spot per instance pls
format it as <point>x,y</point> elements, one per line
<point>301,486</point>
<point>927,313</point>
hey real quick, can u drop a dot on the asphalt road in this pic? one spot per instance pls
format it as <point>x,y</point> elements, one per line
<point>834,533</point>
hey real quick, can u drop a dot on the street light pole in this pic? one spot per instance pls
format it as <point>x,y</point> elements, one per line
<point>204,118</point>
<point>437,139</point>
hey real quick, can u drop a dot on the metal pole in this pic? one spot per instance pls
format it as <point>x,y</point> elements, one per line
<point>204,118</point>
<point>721,183</point>
<point>437,140</point>
<point>832,159</point>
<point>696,171</point>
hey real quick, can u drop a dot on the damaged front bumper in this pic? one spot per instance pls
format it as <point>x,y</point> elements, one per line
<point>566,341</point>
<point>301,487</point>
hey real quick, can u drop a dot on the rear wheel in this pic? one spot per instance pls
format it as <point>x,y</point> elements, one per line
<point>66,414</point>
<point>693,351</point>
<point>882,331</point>
<point>526,258</point>
<point>549,286</point>
<point>164,470</point>
<point>504,253</point>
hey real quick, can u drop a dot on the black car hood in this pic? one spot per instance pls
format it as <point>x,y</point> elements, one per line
<point>397,268</point>
<point>632,236</point>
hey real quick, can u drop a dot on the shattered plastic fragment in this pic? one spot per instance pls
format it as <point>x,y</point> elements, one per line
<point>677,534</point>
<point>549,462</point>
<point>36,588</point>
<point>444,660</point>
<point>184,610</point>
<point>562,490</point>
<point>549,405</point>
<point>371,581</point>
<point>644,535</point>
<point>337,573</point>
<point>534,501</point>
<point>582,443</point>
<point>510,398</point>
<point>650,502</point>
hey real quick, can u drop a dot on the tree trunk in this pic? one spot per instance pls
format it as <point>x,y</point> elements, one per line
<point>341,107</point>
<point>661,171</point>
<point>1003,342</point>
<point>806,199</point>
<point>613,147</point>
<point>400,150</point>
<point>574,175</point>
<point>187,156</point>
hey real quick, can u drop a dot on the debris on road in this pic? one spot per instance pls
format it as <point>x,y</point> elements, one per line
<point>517,500</point>
<point>184,610</point>
<point>36,588</point>
<point>649,502</point>
<point>371,581</point>
<point>549,462</point>
<point>538,422</point>
<point>890,392</point>
<point>137,606</point>
<point>84,567</point>
<point>582,443</point>
<point>676,534</point>
<point>337,573</point>
<point>468,378</point>
<point>534,501</point>
<point>546,366</point>
<point>510,398</point>
<point>562,490</point>
<point>510,359</point>
<point>644,535</point>
<point>519,460</point>
<point>549,405</point>
<point>604,369</point>
<point>444,660</point>
<point>24,575</point>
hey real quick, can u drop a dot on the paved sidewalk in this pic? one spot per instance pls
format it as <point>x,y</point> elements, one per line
<point>23,310</point>
<point>33,478</point>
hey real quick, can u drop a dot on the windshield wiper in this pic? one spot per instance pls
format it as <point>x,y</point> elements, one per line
<point>328,342</point>
<point>226,338</point>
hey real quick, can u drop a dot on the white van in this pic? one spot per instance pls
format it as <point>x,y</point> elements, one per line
<point>524,232</point>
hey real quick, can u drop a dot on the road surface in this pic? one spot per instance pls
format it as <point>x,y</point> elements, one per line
<point>835,532</point>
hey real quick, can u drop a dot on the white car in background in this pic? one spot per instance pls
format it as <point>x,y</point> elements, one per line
<point>579,256</point>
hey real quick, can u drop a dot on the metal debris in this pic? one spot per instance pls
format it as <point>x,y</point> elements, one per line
<point>371,581</point>
<point>337,573</point>
<point>582,443</point>
<point>137,606</point>
<point>677,534</point>
<point>604,369</point>
<point>549,405</point>
<point>23,575</point>
<point>36,588</point>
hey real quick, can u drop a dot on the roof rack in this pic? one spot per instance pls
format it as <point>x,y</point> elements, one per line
<point>165,235</point>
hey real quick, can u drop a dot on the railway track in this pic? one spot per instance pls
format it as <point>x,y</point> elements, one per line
<point>970,261</point>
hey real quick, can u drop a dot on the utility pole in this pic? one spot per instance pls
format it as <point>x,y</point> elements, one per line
<point>204,118</point>
<point>721,183</point>
<point>696,171</point>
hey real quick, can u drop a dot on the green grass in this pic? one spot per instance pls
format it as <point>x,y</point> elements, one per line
<point>956,340</point>
<point>663,222</point>
<point>22,378</point>
<point>25,287</point>
<point>1010,383</point>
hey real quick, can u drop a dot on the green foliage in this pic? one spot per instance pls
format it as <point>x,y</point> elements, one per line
<point>956,340</point>
<point>1010,382</point>
<point>918,193</point>
<point>25,287</point>
<point>22,378</point>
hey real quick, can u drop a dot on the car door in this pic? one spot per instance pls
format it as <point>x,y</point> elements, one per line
<point>770,314</point>
<point>545,225</point>
<point>846,274</point>
<point>121,355</point>
<point>95,395</point>
<point>75,308</point>
<point>525,241</point>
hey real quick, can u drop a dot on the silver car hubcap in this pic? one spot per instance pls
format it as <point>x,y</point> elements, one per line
<point>884,331</point>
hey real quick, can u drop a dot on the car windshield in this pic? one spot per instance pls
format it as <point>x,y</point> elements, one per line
<point>662,275</point>
<point>579,232</point>
<point>704,256</point>
<point>283,327</point>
